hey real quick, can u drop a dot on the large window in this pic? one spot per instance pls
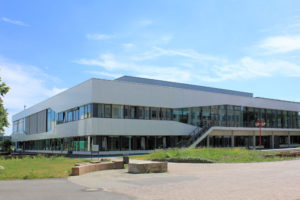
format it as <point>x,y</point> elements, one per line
<point>100,110</point>
<point>185,115</point>
<point>298,120</point>
<point>15,126</point>
<point>140,113</point>
<point>162,114</point>
<point>205,115</point>
<point>147,113</point>
<point>154,113</point>
<point>177,113</point>
<point>51,119</point>
<point>132,112</point>
<point>107,111</point>
<point>214,114</point>
<point>76,114</point>
<point>284,119</point>
<point>221,115</point>
<point>87,111</point>
<point>169,114</point>
<point>69,115</point>
<point>196,116</point>
<point>117,111</point>
<point>251,117</point>
<point>127,112</point>
<point>279,119</point>
<point>81,112</point>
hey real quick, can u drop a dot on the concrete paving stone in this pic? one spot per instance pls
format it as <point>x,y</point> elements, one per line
<point>247,181</point>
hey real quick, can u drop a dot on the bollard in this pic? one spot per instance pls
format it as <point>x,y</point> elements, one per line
<point>125,159</point>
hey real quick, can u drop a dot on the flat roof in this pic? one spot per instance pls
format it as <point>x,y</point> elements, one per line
<point>182,86</point>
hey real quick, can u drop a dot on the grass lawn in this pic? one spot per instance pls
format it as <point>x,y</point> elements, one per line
<point>37,167</point>
<point>217,155</point>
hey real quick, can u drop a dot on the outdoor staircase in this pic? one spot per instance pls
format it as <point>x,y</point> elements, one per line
<point>196,136</point>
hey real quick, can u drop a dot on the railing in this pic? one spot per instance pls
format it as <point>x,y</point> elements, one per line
<point>195,134</point>
<point>199,131</point>
<point>248,124</point>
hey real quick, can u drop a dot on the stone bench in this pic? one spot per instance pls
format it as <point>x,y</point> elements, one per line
<point>83,168</point>
<point>147,167</point>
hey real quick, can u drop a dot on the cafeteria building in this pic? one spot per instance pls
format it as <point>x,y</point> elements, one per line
<point>138,115</point>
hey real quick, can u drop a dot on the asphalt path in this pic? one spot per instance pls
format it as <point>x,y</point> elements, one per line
<point>53,189</point>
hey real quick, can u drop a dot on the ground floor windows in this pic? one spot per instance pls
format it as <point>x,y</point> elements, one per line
<point>243,141</point>
<point>249,141</point>
<point>220,141</point>
<point>128,143</point>
<point>103,143</point>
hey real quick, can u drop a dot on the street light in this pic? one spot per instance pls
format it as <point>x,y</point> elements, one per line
<point>260,123</point>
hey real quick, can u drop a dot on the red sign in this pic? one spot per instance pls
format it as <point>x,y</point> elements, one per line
<point>260,122</point>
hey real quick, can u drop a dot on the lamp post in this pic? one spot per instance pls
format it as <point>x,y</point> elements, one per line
<point>260,122</point>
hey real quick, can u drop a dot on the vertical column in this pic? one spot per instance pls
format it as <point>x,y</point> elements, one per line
<point>104,143</point>
<point>232,140</point>
<point>207,141</point>
<point>164,142</point>
<point>129,148</point>
<point>289,140</point>
<point>272,141</point>
<point>143,144</point>
<point>254,142</point>
<point>89,143</point>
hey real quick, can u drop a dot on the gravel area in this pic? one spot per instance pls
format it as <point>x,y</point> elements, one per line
<point>268,180</point>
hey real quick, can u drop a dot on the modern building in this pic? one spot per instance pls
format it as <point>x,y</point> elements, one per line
<point>132,114</point>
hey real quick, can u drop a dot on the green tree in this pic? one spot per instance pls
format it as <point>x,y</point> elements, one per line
<point>6,145</point>
<point>3,112</point>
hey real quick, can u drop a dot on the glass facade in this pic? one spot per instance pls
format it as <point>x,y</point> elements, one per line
<point>105,143</point>
<point>217,115</point>
<point>51,119</point>
<point>236,116</point>
<point>19,126</point>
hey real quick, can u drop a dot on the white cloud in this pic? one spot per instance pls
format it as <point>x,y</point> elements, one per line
<point>55,91</point>
<point>281,44</point>
<point>166,38</point>
<point>110,63</point>
<point>27,86</point>
<point>99,36</point>
<point>145,22</point>
<point>249,68</point>
<point>20,23</point>
<point>186,53</point>
<point>189,66</point>
<point>128,45</point>
<point>106,74</point>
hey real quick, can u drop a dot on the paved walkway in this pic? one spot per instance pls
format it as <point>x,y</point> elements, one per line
<point>271,180</point>
<point>53,189</point>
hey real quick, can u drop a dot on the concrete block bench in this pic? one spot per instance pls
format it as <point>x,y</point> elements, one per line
<point>83,168</point>
<point>147,167</point>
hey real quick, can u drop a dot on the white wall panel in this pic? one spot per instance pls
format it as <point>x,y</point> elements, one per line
<point>107,126</point>
<point>126,93</point>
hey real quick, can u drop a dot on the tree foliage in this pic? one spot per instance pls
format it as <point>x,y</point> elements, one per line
<point>3,112</point>
<point>6,145</point>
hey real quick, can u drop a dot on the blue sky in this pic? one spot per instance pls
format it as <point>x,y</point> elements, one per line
<point>48,46</point>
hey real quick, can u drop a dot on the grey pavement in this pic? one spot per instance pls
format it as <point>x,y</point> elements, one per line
<point>246,181</point>
<point>52,189</point>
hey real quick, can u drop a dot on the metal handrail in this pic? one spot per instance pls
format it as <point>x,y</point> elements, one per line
<point>196,133</point>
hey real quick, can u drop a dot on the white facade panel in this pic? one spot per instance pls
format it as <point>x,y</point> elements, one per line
<point>127,93</point>
<point>108,126</point>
